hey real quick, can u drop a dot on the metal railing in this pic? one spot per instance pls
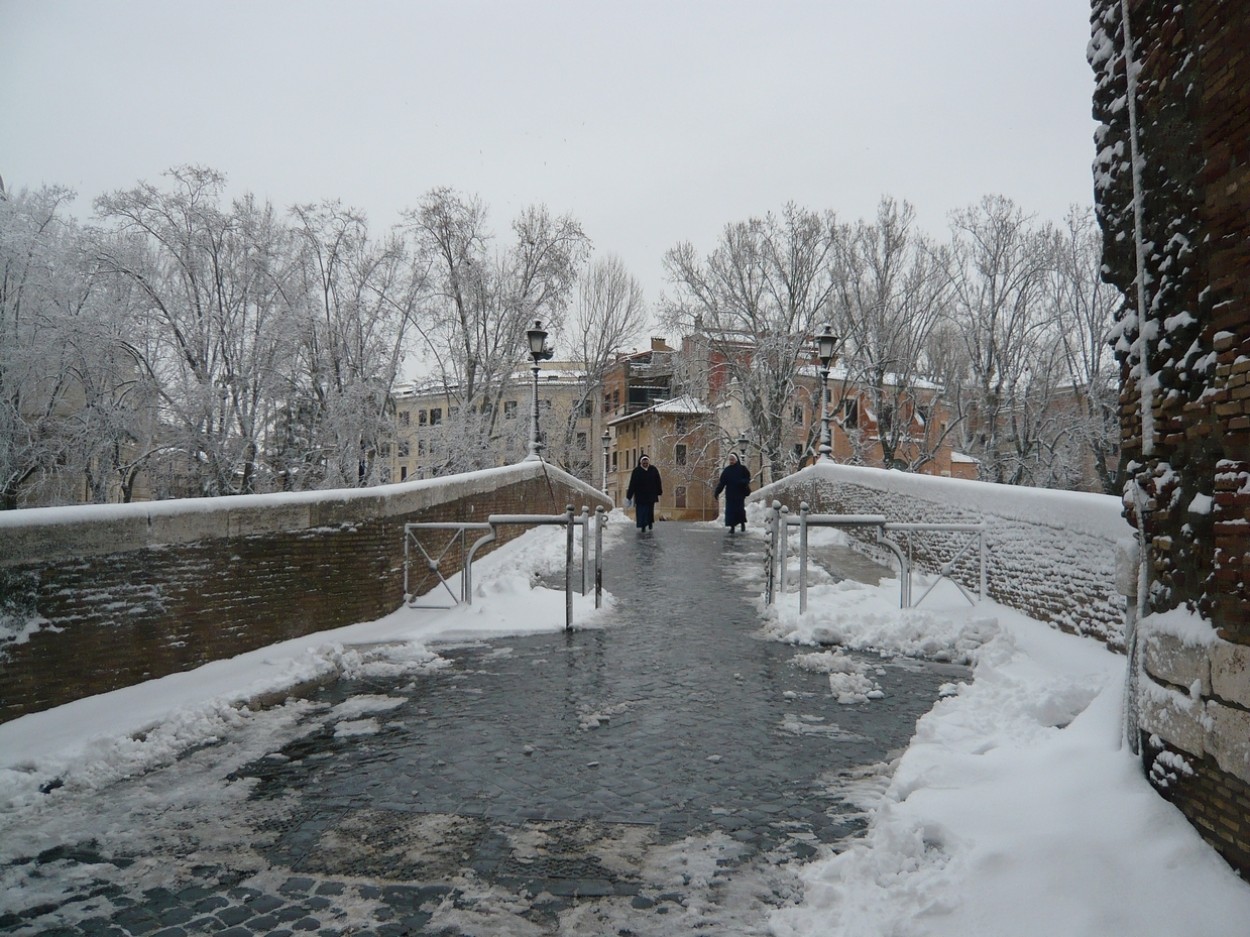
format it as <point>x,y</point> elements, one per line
<point>777,552</point>
<point>569,520</point>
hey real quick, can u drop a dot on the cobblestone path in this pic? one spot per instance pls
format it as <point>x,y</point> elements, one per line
<point>662,775</point>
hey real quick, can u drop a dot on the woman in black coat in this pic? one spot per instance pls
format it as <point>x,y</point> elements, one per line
<point>735,481</point>
<point>644,490</point>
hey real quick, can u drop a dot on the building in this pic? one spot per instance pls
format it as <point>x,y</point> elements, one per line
<point>435,435</point>
<point>638,379</point>
<point>683,441</point>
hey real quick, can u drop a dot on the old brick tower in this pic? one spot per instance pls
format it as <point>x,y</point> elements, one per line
<point>1172,183</point>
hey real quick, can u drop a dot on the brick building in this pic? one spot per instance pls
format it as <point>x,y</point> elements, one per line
<point>1172,183</point>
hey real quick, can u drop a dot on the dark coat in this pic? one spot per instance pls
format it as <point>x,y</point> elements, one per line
<point>644,485</point>
<point>735,481</point>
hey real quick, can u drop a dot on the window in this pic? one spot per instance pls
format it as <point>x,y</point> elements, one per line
<point>386,450</point>
<point>405,417</point>
<point>607,402</point>
<point>614,461</point>
<point>403,473</point>
<point>403,449</point>
<point>679,454</point>
<point>796,414</point>
<point>587,407</point>
<point>850,413</point>
<point>509,409</point>
<point>887,418</point>
<point>436,416</point>
<point>798,452</point>
<point>423,418</point>
<point>679,496</point>
<point>581,441</point>
<point>420,447</point>
<point>683,425</point>
<point>453,412</point>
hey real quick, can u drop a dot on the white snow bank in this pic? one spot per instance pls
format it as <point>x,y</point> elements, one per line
<point>1015,810</point>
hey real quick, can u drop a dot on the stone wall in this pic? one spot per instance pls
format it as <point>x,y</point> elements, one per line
<point>1172,184</point>
<point>97,598</point>
<point>1051,554</point>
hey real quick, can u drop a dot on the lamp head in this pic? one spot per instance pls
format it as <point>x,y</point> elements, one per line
<point>537,337</point>
<point>826,343</point>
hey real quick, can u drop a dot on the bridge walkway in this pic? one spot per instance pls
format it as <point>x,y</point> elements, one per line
<point>662,774</point>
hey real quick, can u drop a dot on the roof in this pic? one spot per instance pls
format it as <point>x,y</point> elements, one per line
<point>682,406</point>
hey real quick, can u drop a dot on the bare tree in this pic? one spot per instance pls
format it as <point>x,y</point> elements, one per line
<point>1086,307</point>
<point>889,299</point>
<point>356,300</point>
<point>756,299</point>
<point>997,269</point>
<point>608,314</point>
<point>34,380</point>
<point>481,300</point>
<point>213,283</point>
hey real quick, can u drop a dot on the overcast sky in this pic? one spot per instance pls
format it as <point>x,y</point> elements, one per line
<point>652,123</point>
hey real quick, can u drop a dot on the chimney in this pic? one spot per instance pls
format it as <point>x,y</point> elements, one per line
<point>659,344</point>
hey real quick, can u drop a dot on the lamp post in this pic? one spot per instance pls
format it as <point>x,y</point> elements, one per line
<point>607,440</point>
<point>538,350</point>
<point>826,342</point>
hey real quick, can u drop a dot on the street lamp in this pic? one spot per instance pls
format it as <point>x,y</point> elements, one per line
<point>742,445</point>
<point>538,351</point>
<point>826,342</point>
<point>607,441</point>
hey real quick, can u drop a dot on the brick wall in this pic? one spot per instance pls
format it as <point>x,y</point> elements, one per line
<point>1183,341</point>
<point>110,596</point>
<point>1050,554</point>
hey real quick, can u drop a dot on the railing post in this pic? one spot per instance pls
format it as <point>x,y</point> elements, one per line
<point>600,519</point>
<point>783,551</point>
<point>981,537</point>
<point>568,567</point>
<point>585,523</point>
<point>770,552</point>
<point>804,508</point>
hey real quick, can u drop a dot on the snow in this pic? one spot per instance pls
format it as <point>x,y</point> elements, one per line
<point>1015,810</point>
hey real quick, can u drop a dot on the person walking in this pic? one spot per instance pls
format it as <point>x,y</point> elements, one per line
<point>735,481</point>
<point>644,490</point>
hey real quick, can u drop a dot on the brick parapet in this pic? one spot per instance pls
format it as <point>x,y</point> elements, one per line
<point>1036,562</point>
<point>108,597</point>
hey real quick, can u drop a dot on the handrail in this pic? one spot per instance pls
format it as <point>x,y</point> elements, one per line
<point>780,521</point>
<point>568,519</point>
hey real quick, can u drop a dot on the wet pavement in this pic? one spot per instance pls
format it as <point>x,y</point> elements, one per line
<point>663,774</point>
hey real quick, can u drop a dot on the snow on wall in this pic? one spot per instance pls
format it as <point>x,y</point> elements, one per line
<point>92,599</point>
<point>1052,554</point>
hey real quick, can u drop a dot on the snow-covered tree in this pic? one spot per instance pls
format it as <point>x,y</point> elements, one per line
<point>356,301</point>
<point>757,299</point>
<point>997,271</point>
<point>482,298</point>
<point>214,282</point>
<point>888,300</point>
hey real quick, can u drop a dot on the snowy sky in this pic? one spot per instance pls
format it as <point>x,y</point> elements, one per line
<point>652,122</point>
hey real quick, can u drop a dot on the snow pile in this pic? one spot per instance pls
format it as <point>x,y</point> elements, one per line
<point>1015,810</point>
<point>863,617</point>
<point>848,678</point>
